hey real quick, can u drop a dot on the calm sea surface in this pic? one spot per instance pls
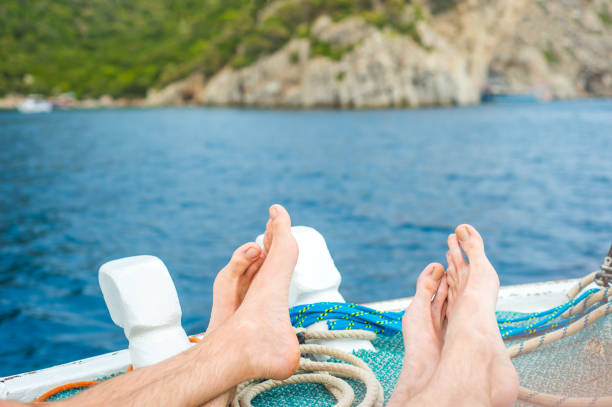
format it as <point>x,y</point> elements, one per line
<point>79,188</point>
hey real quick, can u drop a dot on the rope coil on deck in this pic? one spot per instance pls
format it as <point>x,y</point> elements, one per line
<point>326,373</point>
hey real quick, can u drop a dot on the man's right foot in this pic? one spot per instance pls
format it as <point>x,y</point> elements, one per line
<point>229,289</point>
<point>473,289</point>
<point>263,317</point>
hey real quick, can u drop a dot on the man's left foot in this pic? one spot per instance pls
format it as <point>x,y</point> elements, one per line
<point>229,289</point>
<point>423,332</point>
<point>232,283</point>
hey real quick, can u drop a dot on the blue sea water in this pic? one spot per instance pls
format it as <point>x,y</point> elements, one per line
<point>385,187</point>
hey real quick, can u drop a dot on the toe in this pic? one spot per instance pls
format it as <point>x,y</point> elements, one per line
<point>242,259</point>
<point>438,309</point>
<point>451,271</point>
<point>470,241</point>
<point>441,296</point>
<point>267,237</point>
<point>454,250</point>
<point>281,228</point>
<point>253,268</point>
<point>429,281</point>
<point>283,249</point>
<point>281,222</point>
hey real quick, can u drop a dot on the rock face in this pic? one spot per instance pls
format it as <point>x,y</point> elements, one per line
<point>11,101</point>
<point>449,65</point>
<point>563,46</point>
<point>178,93</point>
<point>559,49</point>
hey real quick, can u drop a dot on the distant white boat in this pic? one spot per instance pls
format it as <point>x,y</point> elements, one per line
<point>34,105</point>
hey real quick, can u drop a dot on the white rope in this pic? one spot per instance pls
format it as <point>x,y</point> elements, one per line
<point>325,373</point>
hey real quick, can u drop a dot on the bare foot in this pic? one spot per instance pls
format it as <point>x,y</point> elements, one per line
<point>263,317</point>
<point>233,281</point>
<point>473,289</point>
<point>229,289</point>
<point>422,328</point>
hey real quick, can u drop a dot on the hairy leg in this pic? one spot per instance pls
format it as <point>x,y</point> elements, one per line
<point>474,368</point>
<point>423,331</point>
<point>257,341</point>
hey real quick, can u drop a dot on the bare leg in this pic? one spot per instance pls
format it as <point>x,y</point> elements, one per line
<point>257,341</point>
<point>474,369</point>
<point>422,328</point>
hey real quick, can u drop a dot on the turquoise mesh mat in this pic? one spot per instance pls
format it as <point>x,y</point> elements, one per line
<point>579,365</point>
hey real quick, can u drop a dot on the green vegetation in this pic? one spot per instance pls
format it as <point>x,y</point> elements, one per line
<point>325,49</point>
<point>605,17</point>
<point>294,58</point>
<point>551,55</point>
<point>440,6</point>
<point>124,47</point>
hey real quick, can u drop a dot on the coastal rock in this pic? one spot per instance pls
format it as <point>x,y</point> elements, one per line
<point>569,58</point>
<point>186,91</point>
<point>557,49</point>
<point>344,33</point>
<point>449,64</point>
<point>11,101</point>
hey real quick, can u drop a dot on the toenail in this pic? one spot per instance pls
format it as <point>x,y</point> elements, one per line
<point>462,233</point>
<point>273,211</point>
<point>252,253</point>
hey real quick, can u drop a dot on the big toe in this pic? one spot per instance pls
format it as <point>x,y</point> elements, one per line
<point>470,241</point>
<point>280,220</point>
<point>283,243</point>
<point>429,281</point>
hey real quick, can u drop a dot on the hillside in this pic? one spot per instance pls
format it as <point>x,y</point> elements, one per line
<point>117,47</point>
<point>122,48</point>
<point>304,53</point>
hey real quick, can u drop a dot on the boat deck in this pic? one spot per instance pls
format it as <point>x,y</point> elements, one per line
<point>27,386</point>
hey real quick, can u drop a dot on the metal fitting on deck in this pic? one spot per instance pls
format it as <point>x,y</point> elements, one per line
<point>604,277</point>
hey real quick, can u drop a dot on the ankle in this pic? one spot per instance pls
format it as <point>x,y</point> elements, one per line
<point>270,352</point>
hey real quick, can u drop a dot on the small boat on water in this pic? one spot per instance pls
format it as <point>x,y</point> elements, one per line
<point>498,93</point>
<point>583,344</point>
<point>35,105</point>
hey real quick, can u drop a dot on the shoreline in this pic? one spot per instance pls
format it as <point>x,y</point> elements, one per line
<point>11,103</point>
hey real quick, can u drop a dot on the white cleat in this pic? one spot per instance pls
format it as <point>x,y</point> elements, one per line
<point>142,299</point>
<point>316,279</point>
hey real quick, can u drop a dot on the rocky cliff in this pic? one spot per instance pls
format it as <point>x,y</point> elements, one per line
<point>446,62</point>
<point>563,45</point>
<point>560,48</point>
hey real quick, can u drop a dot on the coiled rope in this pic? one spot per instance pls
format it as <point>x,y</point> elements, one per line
<point>326,373</point>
